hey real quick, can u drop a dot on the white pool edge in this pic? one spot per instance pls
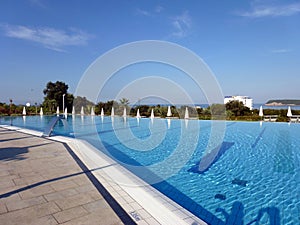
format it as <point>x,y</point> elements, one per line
<point>140,200</point>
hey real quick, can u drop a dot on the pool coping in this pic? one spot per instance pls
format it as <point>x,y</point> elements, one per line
<point>143,203</point>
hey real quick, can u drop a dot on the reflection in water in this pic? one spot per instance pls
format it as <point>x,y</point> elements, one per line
<point>284,160</point>
<point>236,217</point>
<point>186,121</point>
<point>273,213</point>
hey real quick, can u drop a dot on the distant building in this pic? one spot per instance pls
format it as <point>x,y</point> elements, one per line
<point>246,100</point>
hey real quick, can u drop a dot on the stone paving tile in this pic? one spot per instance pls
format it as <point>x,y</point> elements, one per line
<point>15,219</point>
<point>85,188</point>
<point>81,180</point>
<point>15,205</point>
<point>73,201</point>
<point>10,176</point>
<point>3,173</point>
<point>3,208</point>
<point>10,198</point>
<point>35,192</point>
<point>94,194</point>
<point>98,217</point>
<point>28,180</point>
<point>19,168</point>
<point>46,220</point>
<point>45,209</point>
<point>5,183</point>
<point>63,184</point>
<point>60,194</point>
<point>96,205</point>
<point>29,174</point>
<point>55,173</point>
<point>31,215</point>
<point>70,214</point>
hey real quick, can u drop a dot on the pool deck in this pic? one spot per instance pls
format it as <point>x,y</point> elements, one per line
<point>42,184</point>
<point>60,180</point>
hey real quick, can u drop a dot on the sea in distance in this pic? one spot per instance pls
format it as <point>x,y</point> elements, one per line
<point>255,106</point>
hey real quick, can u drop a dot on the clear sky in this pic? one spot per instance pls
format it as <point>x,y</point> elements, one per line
<point>252,47</point>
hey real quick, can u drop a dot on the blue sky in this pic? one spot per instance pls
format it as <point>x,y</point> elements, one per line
<point>252,47</point>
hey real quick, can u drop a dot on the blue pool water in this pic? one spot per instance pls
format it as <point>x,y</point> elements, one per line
<point>255,178</point>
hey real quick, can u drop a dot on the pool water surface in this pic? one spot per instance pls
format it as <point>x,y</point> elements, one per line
<point>253,179</point>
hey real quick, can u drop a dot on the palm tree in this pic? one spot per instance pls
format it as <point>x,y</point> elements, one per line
<point>124,101</point>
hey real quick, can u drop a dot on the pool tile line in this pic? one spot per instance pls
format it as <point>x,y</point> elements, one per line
<point>143,203</point>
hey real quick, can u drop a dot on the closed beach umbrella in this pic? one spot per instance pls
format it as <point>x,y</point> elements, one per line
<point>261,113</point>
<point>112,112</point>
<point>66,111</point>
<point>169,111</point>
<point>82,111</point>
<point>24,111</point>
<point>41,111</point>
<point>152,114</point>
<point>186,115</point>
<point>92,112</point>
<point>289,112</point>
<point>138,114</point>
<point>124,112</point>
<point>73,110</point>
<point>102,112</point>
<point>57,110</point>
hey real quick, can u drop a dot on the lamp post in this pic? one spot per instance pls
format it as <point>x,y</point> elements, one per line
<point>64,102</point>
<point>10,104</point>
<point>10,101</point>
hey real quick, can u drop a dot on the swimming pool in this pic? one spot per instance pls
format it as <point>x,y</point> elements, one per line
<point>256,178</point>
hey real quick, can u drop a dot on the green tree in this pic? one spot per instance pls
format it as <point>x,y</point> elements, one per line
<point>49,104</point>
<point>82,102</point>
<point>54,96</point>
<point>192,111</point>
<point>107,106</point>
<point>144,110</point>
<point>124,103</point>
<point>218,111</point>
<point>237,108</point>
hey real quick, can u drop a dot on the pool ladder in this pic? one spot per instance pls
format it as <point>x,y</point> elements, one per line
<point>48,130</point>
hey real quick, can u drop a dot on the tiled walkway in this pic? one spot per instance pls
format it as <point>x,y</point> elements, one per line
<point>40,183</point>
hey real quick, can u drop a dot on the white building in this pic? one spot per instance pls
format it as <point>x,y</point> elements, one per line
<point>246,100</point>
